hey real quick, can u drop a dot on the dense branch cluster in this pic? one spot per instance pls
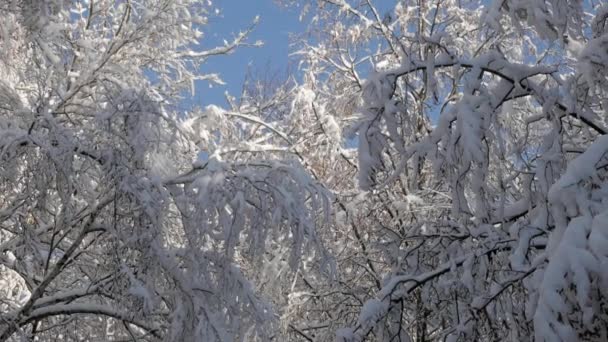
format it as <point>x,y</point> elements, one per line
<point>434,171</point>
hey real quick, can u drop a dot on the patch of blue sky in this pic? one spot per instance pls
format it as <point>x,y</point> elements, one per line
<point>274,28</point>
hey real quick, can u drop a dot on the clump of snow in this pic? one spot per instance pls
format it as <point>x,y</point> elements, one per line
<point>372,310</point>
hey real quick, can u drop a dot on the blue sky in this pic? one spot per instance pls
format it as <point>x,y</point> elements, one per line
<point>273,29</point>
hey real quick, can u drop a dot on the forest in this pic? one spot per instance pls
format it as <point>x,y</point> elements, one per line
<point>430,171</point>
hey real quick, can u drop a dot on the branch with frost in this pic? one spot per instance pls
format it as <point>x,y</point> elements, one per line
<point>516,74</point>
<point>63,297</point>
<point>259,121</point>
<point>383,300</point>
<point>39,291</point>
<point>381,88</point>
<point>89,308</point>
<point>227,48</point>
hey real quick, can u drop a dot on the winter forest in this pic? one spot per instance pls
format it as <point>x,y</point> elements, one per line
<point>431,170</point>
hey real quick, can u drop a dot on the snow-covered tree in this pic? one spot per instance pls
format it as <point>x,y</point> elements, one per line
<point>454,153</point>
<point>121,214</point>
<point>482,167</point>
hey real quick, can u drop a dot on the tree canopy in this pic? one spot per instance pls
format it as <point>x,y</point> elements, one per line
<point>432,171</point>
